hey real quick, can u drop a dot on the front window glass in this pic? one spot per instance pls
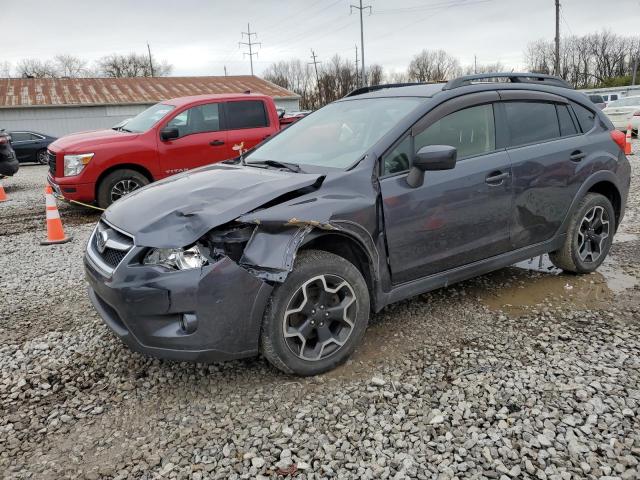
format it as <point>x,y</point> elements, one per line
<point>471,131</point>
<point>147,119</point>
<point>337,135</point>
<point>203,118</point>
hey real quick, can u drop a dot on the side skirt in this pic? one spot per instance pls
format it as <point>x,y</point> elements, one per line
<point>458,274</point>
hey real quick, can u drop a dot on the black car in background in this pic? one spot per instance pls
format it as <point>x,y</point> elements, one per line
<point>31,146</point>
<point>8,161</point>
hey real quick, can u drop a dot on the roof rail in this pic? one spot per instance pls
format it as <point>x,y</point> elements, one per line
<point>373,88</point>
<point>539,78</point>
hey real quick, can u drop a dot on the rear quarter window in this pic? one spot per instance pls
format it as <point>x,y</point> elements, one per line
<point>586,118</point>
<point>246,114</point>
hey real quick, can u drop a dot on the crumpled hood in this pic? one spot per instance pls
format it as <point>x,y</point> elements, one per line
<point>177,211</point>
<point>85,141</point>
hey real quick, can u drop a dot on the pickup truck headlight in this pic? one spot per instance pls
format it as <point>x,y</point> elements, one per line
<point>176,258</point>
<point>74,164</point>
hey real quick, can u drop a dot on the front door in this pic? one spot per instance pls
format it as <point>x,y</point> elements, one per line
<point>457,216</point>
<point>201,140</point>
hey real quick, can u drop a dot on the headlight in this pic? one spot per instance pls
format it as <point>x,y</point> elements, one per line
<point>176,258</point>
<point>74,164</point>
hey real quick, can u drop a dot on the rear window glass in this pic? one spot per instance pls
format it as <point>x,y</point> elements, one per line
<point>596,98</point>
<point>246,114</point>
<point>531,122</point>
<point>567,127</point>
<point>586,118</point>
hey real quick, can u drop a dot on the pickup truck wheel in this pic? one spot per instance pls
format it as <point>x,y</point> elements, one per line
<point>589,236</point>
<point>317,317</point>
<point>118,184</point>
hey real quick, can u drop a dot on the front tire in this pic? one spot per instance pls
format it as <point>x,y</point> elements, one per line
<point>317,317</point>
<point>118,184</point>
<point>589,236</point>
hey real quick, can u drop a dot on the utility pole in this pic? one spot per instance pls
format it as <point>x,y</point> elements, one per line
<point>150,61</point>
<point>361,8</point>
<point>635,70</point>
<point>250,44</point>
<point>315,66</point>
<point>225,70</point>
<point>475,64</point>
<point>557,65</point>
<point>357,71</point>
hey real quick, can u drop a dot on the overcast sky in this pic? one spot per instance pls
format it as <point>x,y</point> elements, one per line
<point>200,37</point>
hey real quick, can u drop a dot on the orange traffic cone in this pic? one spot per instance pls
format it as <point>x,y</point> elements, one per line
<point>3,195</point>
<point>55,233</point>
<point>627,146</point>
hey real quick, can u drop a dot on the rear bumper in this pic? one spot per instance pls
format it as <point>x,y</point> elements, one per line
<point>199,315</point>
<point>80,192</point>
<point>9,167</point>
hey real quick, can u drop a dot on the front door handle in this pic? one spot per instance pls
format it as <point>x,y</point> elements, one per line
<point>577,156</point>
<point>216,143</point>
<point>496,178</point>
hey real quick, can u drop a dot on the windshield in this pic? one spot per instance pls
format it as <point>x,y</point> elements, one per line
<point>626,102</point>
<point>337,135</point>
<point>147,119</point>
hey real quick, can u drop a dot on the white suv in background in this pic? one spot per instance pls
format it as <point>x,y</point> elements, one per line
<point>625,112</point>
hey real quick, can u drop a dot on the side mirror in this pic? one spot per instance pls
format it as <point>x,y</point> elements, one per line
<point>169,133</point>
<point>431,158</point>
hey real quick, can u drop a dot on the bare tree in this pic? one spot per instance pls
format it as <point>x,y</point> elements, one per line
<point>70,66</point>
<point>484,68</point>
<point>433,65</point>
<point>375,74</point>
<point>132,65</point>
<point>34,68</point>
<point>5,69</point>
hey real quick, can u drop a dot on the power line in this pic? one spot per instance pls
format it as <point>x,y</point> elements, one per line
<point>361,8</point>
<point>250,44</point>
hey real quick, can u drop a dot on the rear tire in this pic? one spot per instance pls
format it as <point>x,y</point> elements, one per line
<point>589,236</point>
<point>41,157</point>
<point>317,317</point>
<point>118,184</point>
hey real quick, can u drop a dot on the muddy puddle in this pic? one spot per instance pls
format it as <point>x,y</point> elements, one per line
<point>536,284</point>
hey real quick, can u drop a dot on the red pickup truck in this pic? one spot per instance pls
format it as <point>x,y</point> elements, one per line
<point>167,138</point>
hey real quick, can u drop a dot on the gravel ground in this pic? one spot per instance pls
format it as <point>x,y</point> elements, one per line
<point>516,374</point>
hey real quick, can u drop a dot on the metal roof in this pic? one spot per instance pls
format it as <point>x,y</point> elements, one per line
<point>51,92</point>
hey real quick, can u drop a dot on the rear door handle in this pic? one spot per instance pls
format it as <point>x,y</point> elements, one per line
<point>496,178</point>
<point>216,143</point>
<point>577,156</point>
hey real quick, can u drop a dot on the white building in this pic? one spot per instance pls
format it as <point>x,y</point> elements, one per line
<point>59,106</point>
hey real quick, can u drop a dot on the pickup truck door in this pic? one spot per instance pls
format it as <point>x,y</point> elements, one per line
<point>202,140</point>
<point>248,123</point>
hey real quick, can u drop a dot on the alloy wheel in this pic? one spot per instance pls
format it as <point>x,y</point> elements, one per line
<point>593,232</point>
<point>43,158</point>
<point>122,188</point>
<point>320,317</point>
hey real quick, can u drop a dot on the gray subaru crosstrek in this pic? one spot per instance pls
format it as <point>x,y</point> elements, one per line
<point>390,192</point>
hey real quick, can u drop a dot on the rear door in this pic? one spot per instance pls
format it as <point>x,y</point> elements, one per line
<point>25,144</point>
<point>248,124</point>
<point>547,152</point>
<point>457,216</point>
<point>202,139</point>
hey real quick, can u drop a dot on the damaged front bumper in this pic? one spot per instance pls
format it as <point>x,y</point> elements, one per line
<point>207,314</point>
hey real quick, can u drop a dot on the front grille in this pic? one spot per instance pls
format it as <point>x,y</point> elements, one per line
<point>52,162</point>
<point>112,251</point>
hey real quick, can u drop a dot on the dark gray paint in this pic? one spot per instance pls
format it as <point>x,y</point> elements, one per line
<point>452,227</point>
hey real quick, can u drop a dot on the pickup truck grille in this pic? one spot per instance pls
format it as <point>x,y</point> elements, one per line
<point>52,162</point>
<point>109,247</point>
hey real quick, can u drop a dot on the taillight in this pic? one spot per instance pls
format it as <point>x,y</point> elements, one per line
<point>620,138</point>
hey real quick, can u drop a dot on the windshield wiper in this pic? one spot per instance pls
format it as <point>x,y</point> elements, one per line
<point>292,167</point>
